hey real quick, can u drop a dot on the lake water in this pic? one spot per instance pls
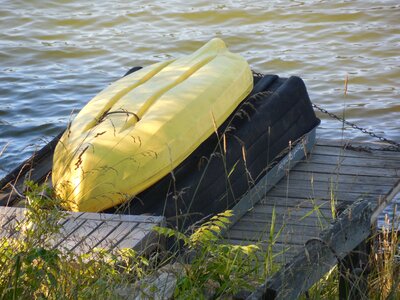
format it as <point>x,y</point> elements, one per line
<point>56,55</point>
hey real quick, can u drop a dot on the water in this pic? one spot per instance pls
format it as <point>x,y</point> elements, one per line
<point>56,55</point>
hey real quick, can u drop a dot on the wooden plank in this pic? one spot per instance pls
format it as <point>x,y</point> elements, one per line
<point>293,203</point>
<point>353,161</point>
<point>335,151</point>
<point>341,178</point>
<point>141,237</point>
<point>11,217</point>
<point>17,212</point>
<point>20,213</point>
<point>319,194</point>
<point>307,205</point>
<point>6,210</point>
<point>120,232</point>
<point>4,221</point>
<point>122,218</point>
<point>310,185</point>
<point>287,239</point>
<point>81,236</point>
<point>315,219</point>
<point>320,208</point>
<point>348,170</point>
<point>298,237</point>
<point>263,220</point>
<point>96,232</point>
<point>95,237</point>
<point>283,222</point>
<point>264,212</point>
<point>287,229</point>
<point>6,215</point>
<point>69,228</point>
<point>329,180</point>
<point>9,228</point>
<point>308,222</point>
<point>301,211</point>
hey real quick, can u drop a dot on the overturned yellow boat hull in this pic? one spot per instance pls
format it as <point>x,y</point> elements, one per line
<point>142,126</point>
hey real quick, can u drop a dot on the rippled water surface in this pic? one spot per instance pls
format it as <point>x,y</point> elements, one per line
<point>56,55</point>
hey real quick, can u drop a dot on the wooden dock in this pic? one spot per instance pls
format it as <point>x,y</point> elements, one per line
<point>304,201</point>
<point>81,232</point>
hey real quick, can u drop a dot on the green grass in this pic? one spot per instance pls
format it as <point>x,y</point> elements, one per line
<point>30,268</point>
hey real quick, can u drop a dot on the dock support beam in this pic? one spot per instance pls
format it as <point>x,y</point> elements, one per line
<point>353,269</point>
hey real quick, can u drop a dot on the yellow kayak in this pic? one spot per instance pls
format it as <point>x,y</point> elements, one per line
<point>142,126</point>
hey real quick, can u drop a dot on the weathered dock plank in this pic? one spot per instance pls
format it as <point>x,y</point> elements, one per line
<point>80,235</point>
<point>118,234</point>
<point>136,238</point>
<point>321,194</point>
<point>248,231</point>
<point>258,219</point>
<point>360,179</point>
<point>96,235</point>
<point>334,187</point>
<point>348,170</point>
<point>67,230</point>
<point>353,161</point>
<point>333,151</point>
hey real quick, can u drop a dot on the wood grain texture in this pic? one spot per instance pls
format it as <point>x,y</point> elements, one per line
<point>360,179</point>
